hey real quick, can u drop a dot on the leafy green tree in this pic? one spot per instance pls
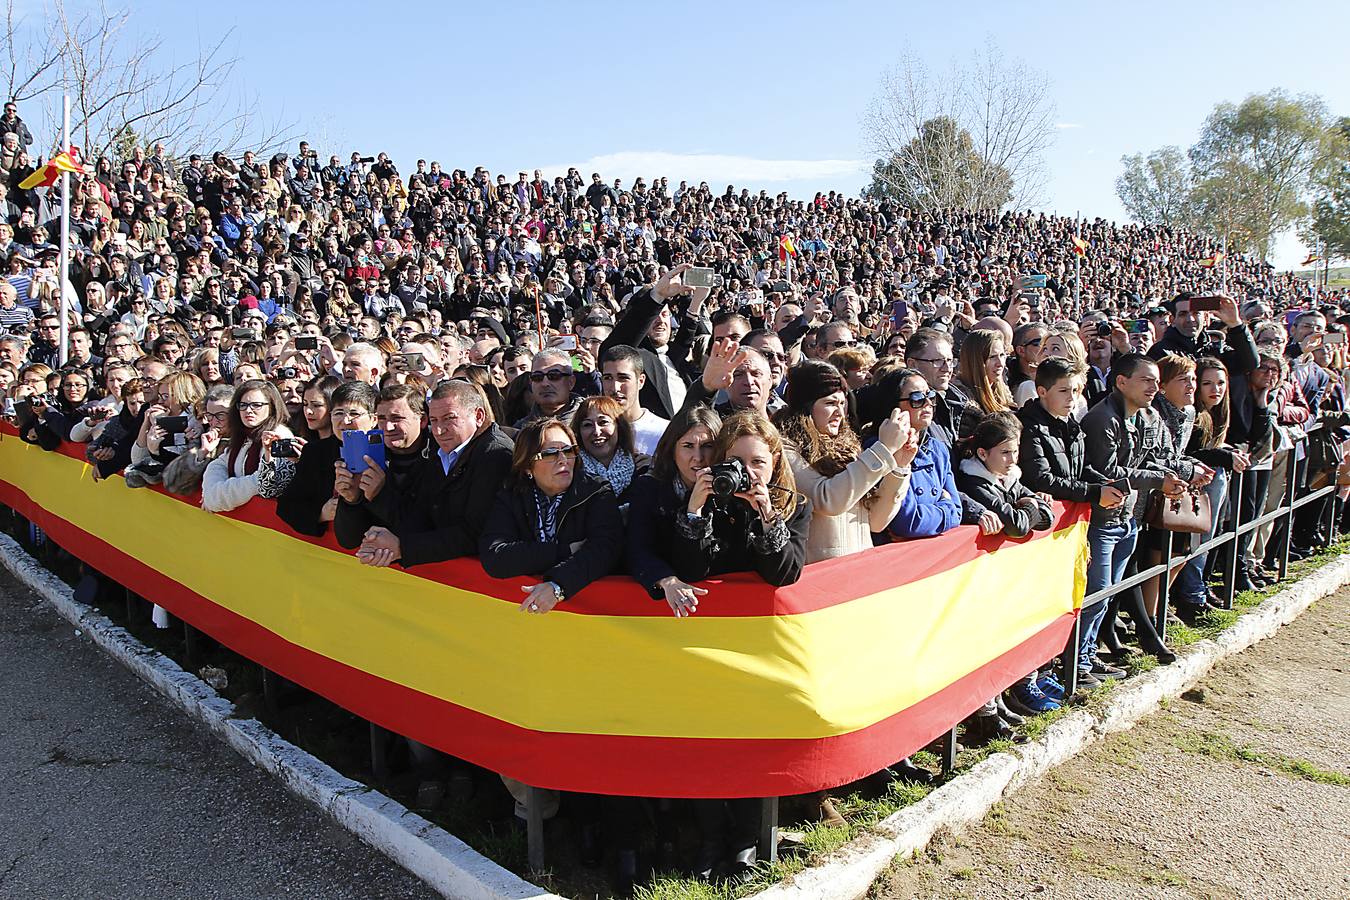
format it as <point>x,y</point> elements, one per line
<point>1157,189</point>
<point>1254,164</point>
<point>1330,221</point>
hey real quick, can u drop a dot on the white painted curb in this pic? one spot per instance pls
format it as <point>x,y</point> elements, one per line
<point>849,872</point>
<point>440,859</point>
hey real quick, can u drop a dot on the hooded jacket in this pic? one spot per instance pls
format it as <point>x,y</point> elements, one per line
<point>1020,510</point>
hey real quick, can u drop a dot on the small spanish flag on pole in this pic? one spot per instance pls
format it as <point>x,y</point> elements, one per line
<point>786,248</point>
<point>1210,262</point>
<point>47,176</point>
<point>1080,246</point>
<point>1312,258</point>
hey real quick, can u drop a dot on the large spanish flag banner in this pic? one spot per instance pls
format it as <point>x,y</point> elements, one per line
<point>764,692</point>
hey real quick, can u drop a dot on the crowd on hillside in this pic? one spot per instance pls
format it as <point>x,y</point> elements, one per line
<point>570,378</point>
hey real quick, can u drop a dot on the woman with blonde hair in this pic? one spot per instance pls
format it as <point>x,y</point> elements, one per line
<point>745,513</point>
<point>206,366</point>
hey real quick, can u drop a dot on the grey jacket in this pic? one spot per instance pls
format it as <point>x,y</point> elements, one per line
<point>1125,447</point>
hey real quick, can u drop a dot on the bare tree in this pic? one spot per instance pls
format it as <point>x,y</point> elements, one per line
<point>126,88</point>
<point>995,154</point>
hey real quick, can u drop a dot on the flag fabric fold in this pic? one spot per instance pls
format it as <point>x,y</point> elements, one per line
<point>65,161</point>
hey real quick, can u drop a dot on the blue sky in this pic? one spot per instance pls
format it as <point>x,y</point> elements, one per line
<point>760,94</point>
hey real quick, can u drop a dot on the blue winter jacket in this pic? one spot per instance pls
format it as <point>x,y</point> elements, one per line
<point>932,505</point>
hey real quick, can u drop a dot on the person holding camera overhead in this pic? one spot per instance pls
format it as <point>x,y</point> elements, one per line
<point>309,502</point>
<point>257,419</point>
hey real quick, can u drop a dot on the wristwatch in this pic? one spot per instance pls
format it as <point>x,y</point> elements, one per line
<point>557,590</point>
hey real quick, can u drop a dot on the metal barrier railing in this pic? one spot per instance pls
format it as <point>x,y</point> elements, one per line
<point>1290,503</point>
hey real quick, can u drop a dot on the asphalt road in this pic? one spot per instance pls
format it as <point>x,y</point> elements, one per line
<point>106,791</point>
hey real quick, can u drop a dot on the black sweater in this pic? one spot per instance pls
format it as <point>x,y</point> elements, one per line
<point>311,487</point>
<point>732,538</point>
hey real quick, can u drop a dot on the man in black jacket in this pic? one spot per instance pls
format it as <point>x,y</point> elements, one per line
<point>400,414</point>
<point>1121,442</point>
<point>664,344</point>
<point>1238,351</point>
<point>454,487</point>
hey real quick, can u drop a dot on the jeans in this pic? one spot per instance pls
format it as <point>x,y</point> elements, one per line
<point>1109,549</point>
<point>1190,585</point>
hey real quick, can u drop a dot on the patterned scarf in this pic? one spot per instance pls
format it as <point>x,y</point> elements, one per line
<point>619,472</point>
<point>548,514</point>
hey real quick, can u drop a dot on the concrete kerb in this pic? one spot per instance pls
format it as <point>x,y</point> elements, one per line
<point>443,861</point>
<point>850,871</point>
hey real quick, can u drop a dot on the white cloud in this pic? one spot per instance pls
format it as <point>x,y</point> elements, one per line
<point>1063,125</point>
<point>715,168</point>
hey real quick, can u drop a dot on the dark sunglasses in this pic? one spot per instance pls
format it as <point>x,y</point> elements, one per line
<point>919,399</point>
<point>836,345</point>
<point>552,453</point>
<point>551,375</point>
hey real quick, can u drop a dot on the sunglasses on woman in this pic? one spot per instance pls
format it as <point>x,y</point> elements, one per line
<point>552,453</point>
<point>919,399</point>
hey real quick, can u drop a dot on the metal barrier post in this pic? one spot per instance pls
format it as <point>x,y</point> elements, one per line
<point>1230,570</point>
<point>271,691</point>
<point>1331,516</point>
<point>768,830</point>
<point>379,755</point>
<point>534,828</point>
<point>1068,660</point>
<point>1290,486</point>
<point>1164,590</point>
<point>949,752</point>
<point>190,645</point>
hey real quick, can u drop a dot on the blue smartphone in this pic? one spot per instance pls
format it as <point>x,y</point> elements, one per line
<point>359,444</point>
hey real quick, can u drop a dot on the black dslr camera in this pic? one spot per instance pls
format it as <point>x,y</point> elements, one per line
<point>729,478</point>
<point>286,372</point>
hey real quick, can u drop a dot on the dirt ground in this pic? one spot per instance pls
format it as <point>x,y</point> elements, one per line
<point>1239,789</point>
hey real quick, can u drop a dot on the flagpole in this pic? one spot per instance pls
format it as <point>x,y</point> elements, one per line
<point>1224,260</point>
<point>1078,266</point>
<point>64,270</point>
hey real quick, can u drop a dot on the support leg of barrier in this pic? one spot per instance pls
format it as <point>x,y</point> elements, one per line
<point>949,752</point>
<point>133,609</point>
<point>534,829</point>
<point>1230,570</point>
<point>1068,660</point>
<point>768,830</point>
<point>1287,539</point>
<point>190,645</point>
<point>271,692</point>
<point>1332,518</point>
<point>379,754</point>
<point>1164,592</point>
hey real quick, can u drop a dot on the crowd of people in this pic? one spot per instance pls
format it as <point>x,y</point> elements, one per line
<point>570,379</point>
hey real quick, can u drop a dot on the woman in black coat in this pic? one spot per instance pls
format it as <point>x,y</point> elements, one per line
<point>309,502</point>
<point>557,523</point>
<point>683,528</point>
<point>552,520</point>
<point>760,527</point>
